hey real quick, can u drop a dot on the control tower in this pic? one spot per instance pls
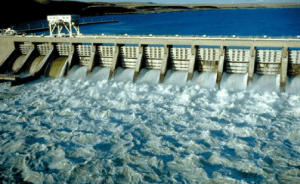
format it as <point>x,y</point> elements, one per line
<point>63,21</point>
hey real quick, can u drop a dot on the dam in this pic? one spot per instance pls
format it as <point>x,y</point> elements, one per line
<point>224,59</point>
<point>54,57</point>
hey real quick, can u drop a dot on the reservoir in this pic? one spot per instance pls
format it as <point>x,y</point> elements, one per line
<point>246,22</point>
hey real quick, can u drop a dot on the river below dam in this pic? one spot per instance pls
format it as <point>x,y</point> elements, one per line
<point>80,129</point>
<point>86,131</point>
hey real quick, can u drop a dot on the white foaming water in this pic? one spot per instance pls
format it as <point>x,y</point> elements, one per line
<point>77,72</point>
<point>99,74</point>
<point>176,77</point>
<point>293,85</point>
<point>263,83</point>
<point>204,79</point>
<point>234,82</point>
<point>85,131</point>
<point>123,74</point>
<point>148,76</point>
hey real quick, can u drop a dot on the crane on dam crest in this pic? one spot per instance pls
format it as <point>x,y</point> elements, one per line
<point>58,22</point>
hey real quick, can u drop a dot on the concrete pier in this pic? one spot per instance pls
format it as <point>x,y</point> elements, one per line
<point>221,65</point>
<point>263,56</point>
<point>192,62</point>
<point>139,61</point>
<point>165,62</point>
<point>92,59</point>
<point>252,60</point>
<point>284,68</point>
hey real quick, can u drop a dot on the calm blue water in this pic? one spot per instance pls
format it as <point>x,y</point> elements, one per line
<point>272,22</point>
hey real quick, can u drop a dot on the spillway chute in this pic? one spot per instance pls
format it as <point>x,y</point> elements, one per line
<point>176,77</point>
<point>293,85</point>
<point>36,65</point>
<point>77,72</point>
<point>99,74</point>
<point>123,74</point>
<point>234,82</point>
<point>204,79</point>
<point>58,67</point>
<point>18,63</point>
<point>148,76</point>
<point>262,83</point>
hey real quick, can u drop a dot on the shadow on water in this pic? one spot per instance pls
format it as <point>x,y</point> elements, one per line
<point>166,158</point>
<point>31,140</point>
<point>218,133</point>
<point>249,140</point>
<point>230,172</point>
<point>76,160</point>
<point>179,128</point>
<point>228,152</point>
<point>222,121</point>
<point>171,140</point>
<point>241,125</point>
<point>67,145</point>
<point>203,143</point>
<point>241,175</point>
<point>104,147</point>
<point>210,168</point>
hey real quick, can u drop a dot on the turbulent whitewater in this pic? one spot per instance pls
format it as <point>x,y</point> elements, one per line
<point>85,131</point>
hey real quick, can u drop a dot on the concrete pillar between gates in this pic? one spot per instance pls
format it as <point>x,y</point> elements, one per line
<point>221,65</point>
<point>252,60</point>
<point>10,54</point>
<point>164,65</point>
<point>17,66</point>
<point>284,68</point>
<point>139,62</point>
<point>191,68</point>
<point>70,58</point>
<point>92,59</point>
<point>115,60</point>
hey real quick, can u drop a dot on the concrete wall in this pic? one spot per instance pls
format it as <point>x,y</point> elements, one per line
<point>175,53</point>
<point>6,45</point>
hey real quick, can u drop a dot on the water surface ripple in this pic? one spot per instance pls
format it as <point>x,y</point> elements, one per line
<point>80,131</point>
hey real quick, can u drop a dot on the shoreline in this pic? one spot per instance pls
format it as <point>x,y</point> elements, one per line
<point>131,13</point>
<point>140,8</point>
<point>38,11</point>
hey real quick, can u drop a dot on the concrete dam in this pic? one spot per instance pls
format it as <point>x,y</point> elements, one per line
<point>56,56</point>
<point>204,60</point>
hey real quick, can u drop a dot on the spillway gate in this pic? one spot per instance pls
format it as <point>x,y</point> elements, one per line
<point>54,57</point>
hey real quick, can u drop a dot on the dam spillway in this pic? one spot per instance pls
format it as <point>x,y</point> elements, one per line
<point>249,59</point>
